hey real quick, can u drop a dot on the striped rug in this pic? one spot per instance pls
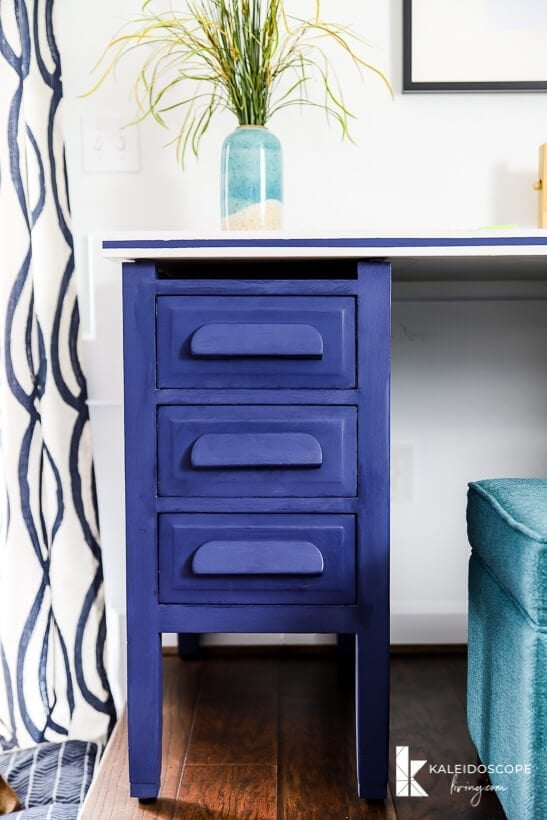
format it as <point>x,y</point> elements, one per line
<point>51,779</point>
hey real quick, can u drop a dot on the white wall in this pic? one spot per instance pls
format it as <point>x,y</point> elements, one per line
<point>422,162</point>
<point>469,387</point>
<point>469,402</point>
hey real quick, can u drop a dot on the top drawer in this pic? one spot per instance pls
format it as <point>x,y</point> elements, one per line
<point>256,341</point>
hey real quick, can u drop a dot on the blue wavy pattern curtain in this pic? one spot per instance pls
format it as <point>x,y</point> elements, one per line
<point>53,682</point>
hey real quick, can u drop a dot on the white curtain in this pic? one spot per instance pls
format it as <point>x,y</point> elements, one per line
<point>53,682</point>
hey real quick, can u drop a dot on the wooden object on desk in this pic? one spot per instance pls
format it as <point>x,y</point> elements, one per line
<point>541,187</point>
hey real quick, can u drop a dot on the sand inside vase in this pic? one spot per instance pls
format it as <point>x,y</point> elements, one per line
<point>266,215</point>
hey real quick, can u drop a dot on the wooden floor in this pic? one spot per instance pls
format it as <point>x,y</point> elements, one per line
<point>272,737</point>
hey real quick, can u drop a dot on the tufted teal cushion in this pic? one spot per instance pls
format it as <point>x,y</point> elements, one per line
<point>507,694</point>
<point>507,642</point>
<point>507,528</point>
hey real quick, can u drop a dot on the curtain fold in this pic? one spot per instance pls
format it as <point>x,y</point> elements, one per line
<point>53,681</point>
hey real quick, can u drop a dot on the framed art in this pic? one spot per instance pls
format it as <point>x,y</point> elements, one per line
<point>475,45</point>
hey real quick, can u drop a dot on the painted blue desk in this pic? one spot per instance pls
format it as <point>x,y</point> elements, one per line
<point>257,452</point>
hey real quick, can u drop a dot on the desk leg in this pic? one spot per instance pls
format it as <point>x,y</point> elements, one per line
<point>144,714</point>
<point>345,646</point>
<point>372,651</point>
<point>371,715</point>
<point>188,645</point>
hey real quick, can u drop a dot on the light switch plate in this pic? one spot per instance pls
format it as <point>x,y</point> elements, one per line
<point>109,146</point>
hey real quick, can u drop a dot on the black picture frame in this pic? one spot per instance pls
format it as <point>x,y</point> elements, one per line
<point>411,85</point>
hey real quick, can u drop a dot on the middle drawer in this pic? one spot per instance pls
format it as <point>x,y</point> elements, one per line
<point>257,451</point>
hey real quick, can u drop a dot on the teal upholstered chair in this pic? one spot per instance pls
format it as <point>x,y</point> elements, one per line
<point>507,673</point>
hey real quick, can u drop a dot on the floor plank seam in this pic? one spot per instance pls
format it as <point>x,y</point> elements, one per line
<point>279,802</point>
<point>189,741</point>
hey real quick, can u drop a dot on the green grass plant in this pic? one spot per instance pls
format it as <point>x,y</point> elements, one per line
<point>250,57</point>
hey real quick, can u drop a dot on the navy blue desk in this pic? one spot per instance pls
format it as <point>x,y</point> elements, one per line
<point>257,455</point>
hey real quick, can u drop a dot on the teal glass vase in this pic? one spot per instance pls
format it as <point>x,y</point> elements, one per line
<point>251,180</point>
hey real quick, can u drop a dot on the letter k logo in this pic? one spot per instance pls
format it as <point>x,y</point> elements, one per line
<point>405,769</point>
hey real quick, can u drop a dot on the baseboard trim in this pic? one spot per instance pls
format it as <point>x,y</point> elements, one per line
<point>412,623</point>
<point>429,627</point>
<point>311,650</point>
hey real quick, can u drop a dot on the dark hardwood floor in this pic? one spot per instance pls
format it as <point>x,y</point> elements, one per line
<point>271,738</point>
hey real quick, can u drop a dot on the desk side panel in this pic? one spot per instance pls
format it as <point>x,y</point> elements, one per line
<point>143,636</point>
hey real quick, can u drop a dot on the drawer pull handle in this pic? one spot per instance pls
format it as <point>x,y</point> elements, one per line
<point>258,558</point>
<point>287,341</point>
<point>217,450</point>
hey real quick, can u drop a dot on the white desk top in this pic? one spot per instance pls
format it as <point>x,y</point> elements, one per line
<point>237,245</point>
<point>490,254</point>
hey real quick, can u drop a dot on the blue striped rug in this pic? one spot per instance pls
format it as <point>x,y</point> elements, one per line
<point>51,779</point>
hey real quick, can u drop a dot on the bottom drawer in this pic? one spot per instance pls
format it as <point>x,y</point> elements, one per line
<point>257,559</point>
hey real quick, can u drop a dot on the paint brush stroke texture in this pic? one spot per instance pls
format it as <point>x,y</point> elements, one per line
<point>53,682</point>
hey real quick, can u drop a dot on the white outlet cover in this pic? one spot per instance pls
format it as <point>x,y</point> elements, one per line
<point>402,473</point>
<point>109,146</point>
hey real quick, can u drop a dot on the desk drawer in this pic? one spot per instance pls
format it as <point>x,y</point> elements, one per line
<point>278,559</point>
<point>257,451</point>
<point>256,341</point>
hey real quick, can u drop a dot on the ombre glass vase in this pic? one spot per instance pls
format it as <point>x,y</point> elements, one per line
<point>251,180</point>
